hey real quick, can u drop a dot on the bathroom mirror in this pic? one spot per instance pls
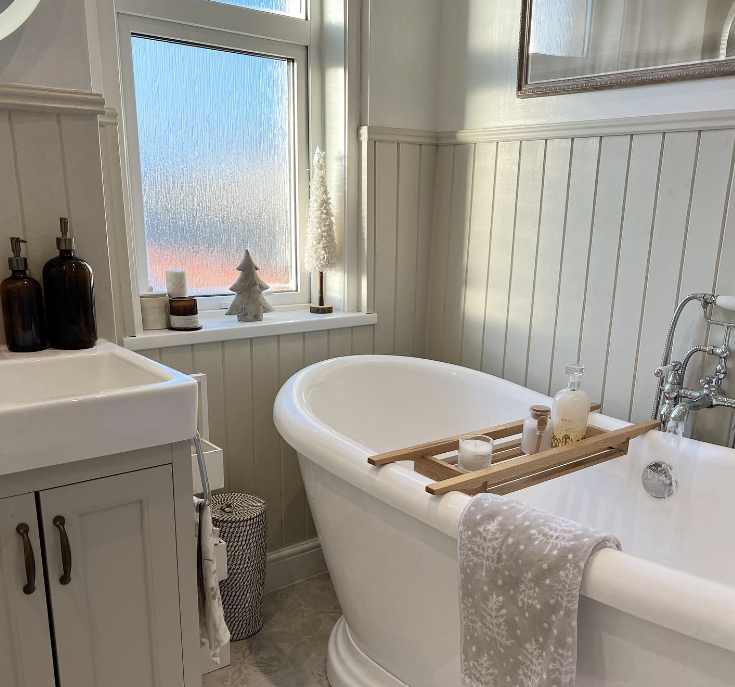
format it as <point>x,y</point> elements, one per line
<point>13,13</point>
<point>568,46</point>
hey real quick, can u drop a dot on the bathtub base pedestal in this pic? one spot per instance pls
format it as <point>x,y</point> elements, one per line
<point>348,666</point>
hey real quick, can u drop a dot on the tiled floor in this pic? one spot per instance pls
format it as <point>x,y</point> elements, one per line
<point>291,649</point>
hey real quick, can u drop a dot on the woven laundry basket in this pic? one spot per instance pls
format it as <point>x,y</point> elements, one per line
<point>241,519</point>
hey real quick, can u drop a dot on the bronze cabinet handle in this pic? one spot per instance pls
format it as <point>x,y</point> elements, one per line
<point>59,523</point>
<point>29,558</point>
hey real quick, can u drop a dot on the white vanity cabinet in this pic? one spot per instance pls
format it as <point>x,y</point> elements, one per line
<point>25,640</point>
<point>111,548</point>
<point>116,615</point>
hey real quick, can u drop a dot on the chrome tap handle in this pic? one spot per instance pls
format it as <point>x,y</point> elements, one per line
<point>664,370</point>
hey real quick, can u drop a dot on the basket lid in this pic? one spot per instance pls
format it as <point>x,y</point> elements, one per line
<point>234,507</point>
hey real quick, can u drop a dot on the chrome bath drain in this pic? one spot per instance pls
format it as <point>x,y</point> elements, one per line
<point>658,480</point>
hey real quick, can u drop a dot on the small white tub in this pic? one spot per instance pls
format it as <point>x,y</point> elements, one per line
<point>660,614</point>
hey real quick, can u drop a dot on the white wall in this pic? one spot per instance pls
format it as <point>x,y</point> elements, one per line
<point>478,64</point>
<point>402,52</point>
<point>50,49</point>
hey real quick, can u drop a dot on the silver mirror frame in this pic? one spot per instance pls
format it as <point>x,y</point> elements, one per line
<point>15,15</point>
<point>625,79</point>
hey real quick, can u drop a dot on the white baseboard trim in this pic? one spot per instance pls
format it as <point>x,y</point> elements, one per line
<point>293,564</point>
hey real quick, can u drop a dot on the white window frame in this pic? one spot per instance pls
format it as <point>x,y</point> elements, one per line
<point>226,27</point>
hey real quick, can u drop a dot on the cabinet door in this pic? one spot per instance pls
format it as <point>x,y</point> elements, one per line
<point>25,638</point>
<point>115,601</point>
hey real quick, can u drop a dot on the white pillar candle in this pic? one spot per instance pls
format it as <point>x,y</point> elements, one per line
<point>475,452</point>
<point>176,284</point>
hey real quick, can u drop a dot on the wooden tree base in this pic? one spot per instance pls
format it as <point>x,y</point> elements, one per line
<point>321,309</point>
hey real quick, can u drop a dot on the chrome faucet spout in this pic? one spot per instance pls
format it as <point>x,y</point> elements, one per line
<point>681,412</point>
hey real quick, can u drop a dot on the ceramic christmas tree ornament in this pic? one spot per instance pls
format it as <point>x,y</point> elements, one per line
<point>321,244</point>
<point>249,304</point>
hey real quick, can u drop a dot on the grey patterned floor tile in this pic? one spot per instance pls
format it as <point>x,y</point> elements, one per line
<point>291,649</point>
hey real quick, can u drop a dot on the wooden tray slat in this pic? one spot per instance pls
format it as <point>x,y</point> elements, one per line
<point>561,471</point>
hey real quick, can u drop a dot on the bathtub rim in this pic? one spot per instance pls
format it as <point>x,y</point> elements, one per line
<point>633,585</point>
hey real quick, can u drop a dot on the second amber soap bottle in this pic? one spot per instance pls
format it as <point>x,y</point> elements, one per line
<point>68,285</point>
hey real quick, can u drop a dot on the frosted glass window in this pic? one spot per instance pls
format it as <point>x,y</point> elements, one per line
<point>294,8</point>
<point>216,153</point>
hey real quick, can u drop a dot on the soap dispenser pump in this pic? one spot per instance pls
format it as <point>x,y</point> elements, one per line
<point>22,305</point>
<point>69,287</point>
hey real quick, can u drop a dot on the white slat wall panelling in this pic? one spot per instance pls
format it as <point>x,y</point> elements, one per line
<point>340,342</point>
<point>423,249</point>
<point>80,147</point>
<point>366,246</point>
<point>501,253</point>
<point>439,246</point>
<point>180,358</point>
<point>124,282</point>
<point>459,228</point>
<point>640,204</point>
<point>12,220</point>
<point>478,251</point>
<point>316,349</point>
<point>152,354</point>
<point>575,257</point>
<point>726,285</point>
<point>409,170</point>
<point>548,264</point>
<point>386,217</point>
<point>704,233</point>
<point>667,250</point>
<point>239,412</point>
<point>525,242</point>
<point>290,361</point>
<point>712,184</point>
<point>209,360</point>
<point>42,187</point>
<point>267,440</point>
<point>603,262</point>
<point>362,340</point>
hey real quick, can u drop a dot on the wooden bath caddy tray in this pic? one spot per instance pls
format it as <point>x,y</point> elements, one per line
<point>511,469</point>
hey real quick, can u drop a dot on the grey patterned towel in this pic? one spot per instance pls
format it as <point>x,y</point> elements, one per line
<point>520,573</point>
<point>212,625</point>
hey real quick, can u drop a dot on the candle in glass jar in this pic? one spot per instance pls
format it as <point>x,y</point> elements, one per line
<point>475,452</point>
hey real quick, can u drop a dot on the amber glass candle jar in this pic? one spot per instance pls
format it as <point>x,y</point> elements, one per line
<point>184,314</point>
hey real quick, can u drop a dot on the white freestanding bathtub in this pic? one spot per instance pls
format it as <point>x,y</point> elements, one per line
<point>662,613</point>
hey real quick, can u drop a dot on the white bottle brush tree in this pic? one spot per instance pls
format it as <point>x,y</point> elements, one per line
<point>249,304</point>
<point>321,244</point>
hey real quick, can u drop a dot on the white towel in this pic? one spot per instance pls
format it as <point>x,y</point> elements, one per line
<point>212,625</point>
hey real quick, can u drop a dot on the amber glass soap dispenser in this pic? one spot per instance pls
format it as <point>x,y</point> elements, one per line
<point>69,288</point>
<point>22,305</point>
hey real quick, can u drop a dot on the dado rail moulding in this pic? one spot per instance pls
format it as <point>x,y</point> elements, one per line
<point>683,121</point>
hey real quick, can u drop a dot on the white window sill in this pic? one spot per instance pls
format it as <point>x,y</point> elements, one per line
<point>216,326</point>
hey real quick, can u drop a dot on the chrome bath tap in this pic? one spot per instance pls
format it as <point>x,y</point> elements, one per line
<point>678,401</point>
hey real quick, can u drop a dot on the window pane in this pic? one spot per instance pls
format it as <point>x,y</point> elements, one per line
<point>295,8</point>
<point>216,159</point>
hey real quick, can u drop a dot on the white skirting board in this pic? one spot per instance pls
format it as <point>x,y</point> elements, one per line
<point>293,564</point>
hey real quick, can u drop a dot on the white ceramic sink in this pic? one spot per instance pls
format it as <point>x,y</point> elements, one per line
<point>63,406</point>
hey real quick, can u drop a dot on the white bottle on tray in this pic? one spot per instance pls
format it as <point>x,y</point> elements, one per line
<point>570,410</point>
